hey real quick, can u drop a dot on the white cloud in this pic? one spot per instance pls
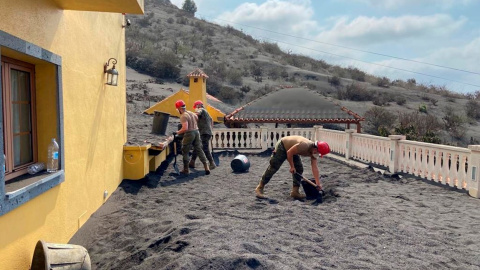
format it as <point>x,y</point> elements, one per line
<point>370,30</point>
<point>463,57</point>
<point>393,4</point>
<point>293,17</point>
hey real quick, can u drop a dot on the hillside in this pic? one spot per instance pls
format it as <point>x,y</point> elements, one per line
<point>166,44</point>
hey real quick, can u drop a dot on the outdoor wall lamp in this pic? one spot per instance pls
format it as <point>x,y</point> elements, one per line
<point>112,74</point>
<point>127,21</point>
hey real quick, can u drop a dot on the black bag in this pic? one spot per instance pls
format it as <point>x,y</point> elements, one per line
<point>310,191</point>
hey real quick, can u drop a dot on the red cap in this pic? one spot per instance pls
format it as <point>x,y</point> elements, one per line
<point>180,103</point>
<point>323,148</point>
<point>196,103</point>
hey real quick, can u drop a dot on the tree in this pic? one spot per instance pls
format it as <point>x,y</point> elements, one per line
<point>190,7</point>
<point>419,127</point>
<point>379,120</point>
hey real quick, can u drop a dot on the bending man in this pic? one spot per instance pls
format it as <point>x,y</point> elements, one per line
<point>291,148</point>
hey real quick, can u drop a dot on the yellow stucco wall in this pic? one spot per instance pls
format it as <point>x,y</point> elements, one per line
<point>94,121</point>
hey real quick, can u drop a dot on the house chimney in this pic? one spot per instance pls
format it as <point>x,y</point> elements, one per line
<point>197,88</point>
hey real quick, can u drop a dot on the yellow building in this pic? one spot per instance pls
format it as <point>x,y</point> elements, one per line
<point>197,91</point>
<point>53,55</point>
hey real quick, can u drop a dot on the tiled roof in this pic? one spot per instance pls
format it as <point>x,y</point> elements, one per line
<point>197,73</point>
<point>293,105</point>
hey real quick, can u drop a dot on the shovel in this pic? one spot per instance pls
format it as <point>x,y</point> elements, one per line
<point>175,166</point>
<point>215,157</point>
<point>321,193</point>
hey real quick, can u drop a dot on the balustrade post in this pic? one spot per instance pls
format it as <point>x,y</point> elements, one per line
<point>264,139</point>
<point>348,143</point>
<point>474,171</point>
<point>395,152</point>
<point>316,129</point>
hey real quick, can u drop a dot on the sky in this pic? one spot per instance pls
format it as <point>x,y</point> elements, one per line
<point>435,42</point>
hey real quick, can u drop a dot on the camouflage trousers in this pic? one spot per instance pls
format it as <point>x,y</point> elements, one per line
<point>192,138</point>
<point>277,159</point>
<point>205,146</point>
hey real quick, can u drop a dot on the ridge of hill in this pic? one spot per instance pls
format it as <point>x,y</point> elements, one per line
<point>167,43</point>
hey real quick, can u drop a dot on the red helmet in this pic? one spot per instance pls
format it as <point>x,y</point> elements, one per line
<point>196,103</point>
<point>180,103</point>
<point>323,148</point>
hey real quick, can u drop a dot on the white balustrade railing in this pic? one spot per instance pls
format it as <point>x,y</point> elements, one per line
<point>454,166</point>
<point>335,139</point>
<point>371,149</point>
<point>255,138</point>
<point>440,163</point>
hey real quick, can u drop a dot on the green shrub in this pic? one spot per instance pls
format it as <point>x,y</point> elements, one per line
<point>146,21</point>
<point>334,81</point>
<point>271,48</point>
<point>379,100</point>
<point>274,73</point>
<point>422,108</point>
<point>182,20</point>
<point>356,74</point>
<point>383,82</point>
<point>256,70</point>
<point>235,77</point>
<point>401,100</point>
<point>454,123</point>
<point>357,92</point>
<point>472,109</point>
<point>245,89</point>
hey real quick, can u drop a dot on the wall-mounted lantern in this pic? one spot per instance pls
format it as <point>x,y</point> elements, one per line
<point>112,74</point>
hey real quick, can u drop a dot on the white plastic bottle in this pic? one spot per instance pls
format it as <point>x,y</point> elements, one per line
<point>52,163</point>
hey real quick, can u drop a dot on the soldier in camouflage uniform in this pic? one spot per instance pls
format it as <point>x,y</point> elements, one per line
<point>290,148</point>
<point>205,125</point>
<point>191,136</point>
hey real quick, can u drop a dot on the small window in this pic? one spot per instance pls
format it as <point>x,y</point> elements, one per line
<point>31,114</point>
<point>195,80</point>
<point>19,133</point>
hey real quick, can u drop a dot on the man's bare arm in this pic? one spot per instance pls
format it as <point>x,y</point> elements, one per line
<point>290,153</point>
<point>316,172</point>
<point>184,128</point>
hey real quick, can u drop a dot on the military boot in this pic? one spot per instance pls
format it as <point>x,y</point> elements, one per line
<point>259,191</point>
<point>185,168</point>
<point>211,164</point>
<point>296,193</point>
<point>207,170</point>
<point>191,164</point>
